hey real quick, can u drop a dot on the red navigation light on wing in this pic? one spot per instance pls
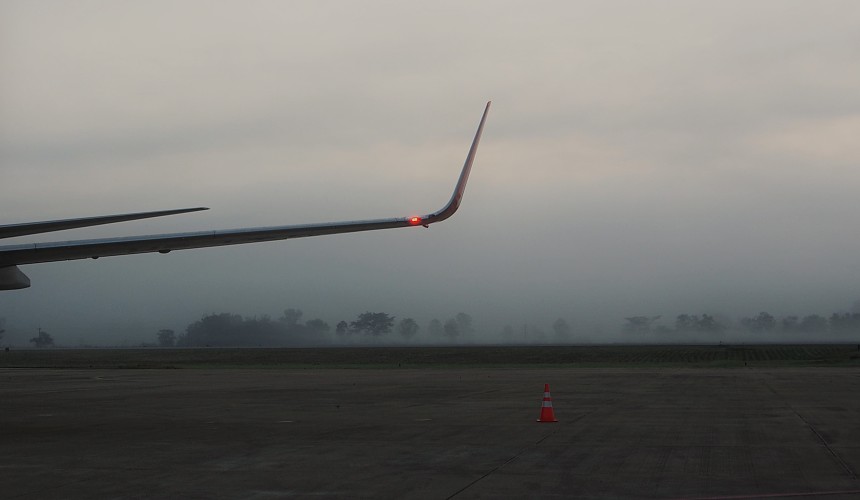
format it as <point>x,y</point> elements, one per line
<point>415,220</point>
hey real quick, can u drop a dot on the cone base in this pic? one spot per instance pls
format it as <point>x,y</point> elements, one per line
<point>547,421</point>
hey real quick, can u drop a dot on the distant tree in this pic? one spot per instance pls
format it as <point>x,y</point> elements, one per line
<point>458,327</point>
<point>260,331</point>
<point>435,328</point>
<point>291,317</point>
<point>231,330</point>
<point>845,322</point>
<point>166,338</point>
<point>342,328</point>
<point>464,323</point>
<point>639,324</point>
<point>43,339</point>
<point>214,330</point>
<point>561,330</point>
<point>709,324</point>
<point>764,322</point>
<point>317,326</point>
<point>374,324</point>
<point>813,323</point>
<point>407,328</point>
<point>693,323</point>
<point>451,329</point>
<point>790,324</point>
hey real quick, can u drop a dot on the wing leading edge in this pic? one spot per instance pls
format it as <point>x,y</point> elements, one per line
<point>13,255</point>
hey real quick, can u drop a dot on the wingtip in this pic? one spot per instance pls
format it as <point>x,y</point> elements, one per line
<point>452,206</point>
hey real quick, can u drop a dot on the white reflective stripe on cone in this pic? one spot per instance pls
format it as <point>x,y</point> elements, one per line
<point>547,404</point>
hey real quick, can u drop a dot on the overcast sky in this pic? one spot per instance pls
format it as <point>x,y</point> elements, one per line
<point>640,158</point>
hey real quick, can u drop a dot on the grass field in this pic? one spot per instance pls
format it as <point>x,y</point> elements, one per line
<point>465,356</point>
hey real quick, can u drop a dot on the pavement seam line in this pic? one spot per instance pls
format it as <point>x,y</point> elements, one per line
<point>494,469</point>
<point>516,456</point>
<point>839,460</point>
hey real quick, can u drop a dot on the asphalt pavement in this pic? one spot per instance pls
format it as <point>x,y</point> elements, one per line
<point>430,433</point>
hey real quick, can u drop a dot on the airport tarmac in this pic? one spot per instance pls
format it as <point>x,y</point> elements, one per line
<point>430,433</point>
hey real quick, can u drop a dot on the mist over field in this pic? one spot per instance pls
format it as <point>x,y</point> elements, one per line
<point>639,160</point>
<point>293,329</point>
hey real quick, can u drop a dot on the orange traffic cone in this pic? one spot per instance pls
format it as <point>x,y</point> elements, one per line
<point>546,413</point>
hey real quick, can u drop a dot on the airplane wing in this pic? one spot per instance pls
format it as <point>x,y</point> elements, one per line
<point>13,255</point>
<point>27,228</point>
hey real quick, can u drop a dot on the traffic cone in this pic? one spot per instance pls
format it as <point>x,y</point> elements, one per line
<point>546,413</point>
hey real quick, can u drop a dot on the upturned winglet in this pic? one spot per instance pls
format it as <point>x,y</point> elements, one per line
<point>452,206</point>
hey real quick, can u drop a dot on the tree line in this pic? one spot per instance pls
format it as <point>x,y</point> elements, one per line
<point>233,330</point>
<point>379,328</point>
<point>763,322</point>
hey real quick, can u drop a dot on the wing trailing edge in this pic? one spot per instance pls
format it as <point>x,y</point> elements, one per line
<point>13,255</point>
